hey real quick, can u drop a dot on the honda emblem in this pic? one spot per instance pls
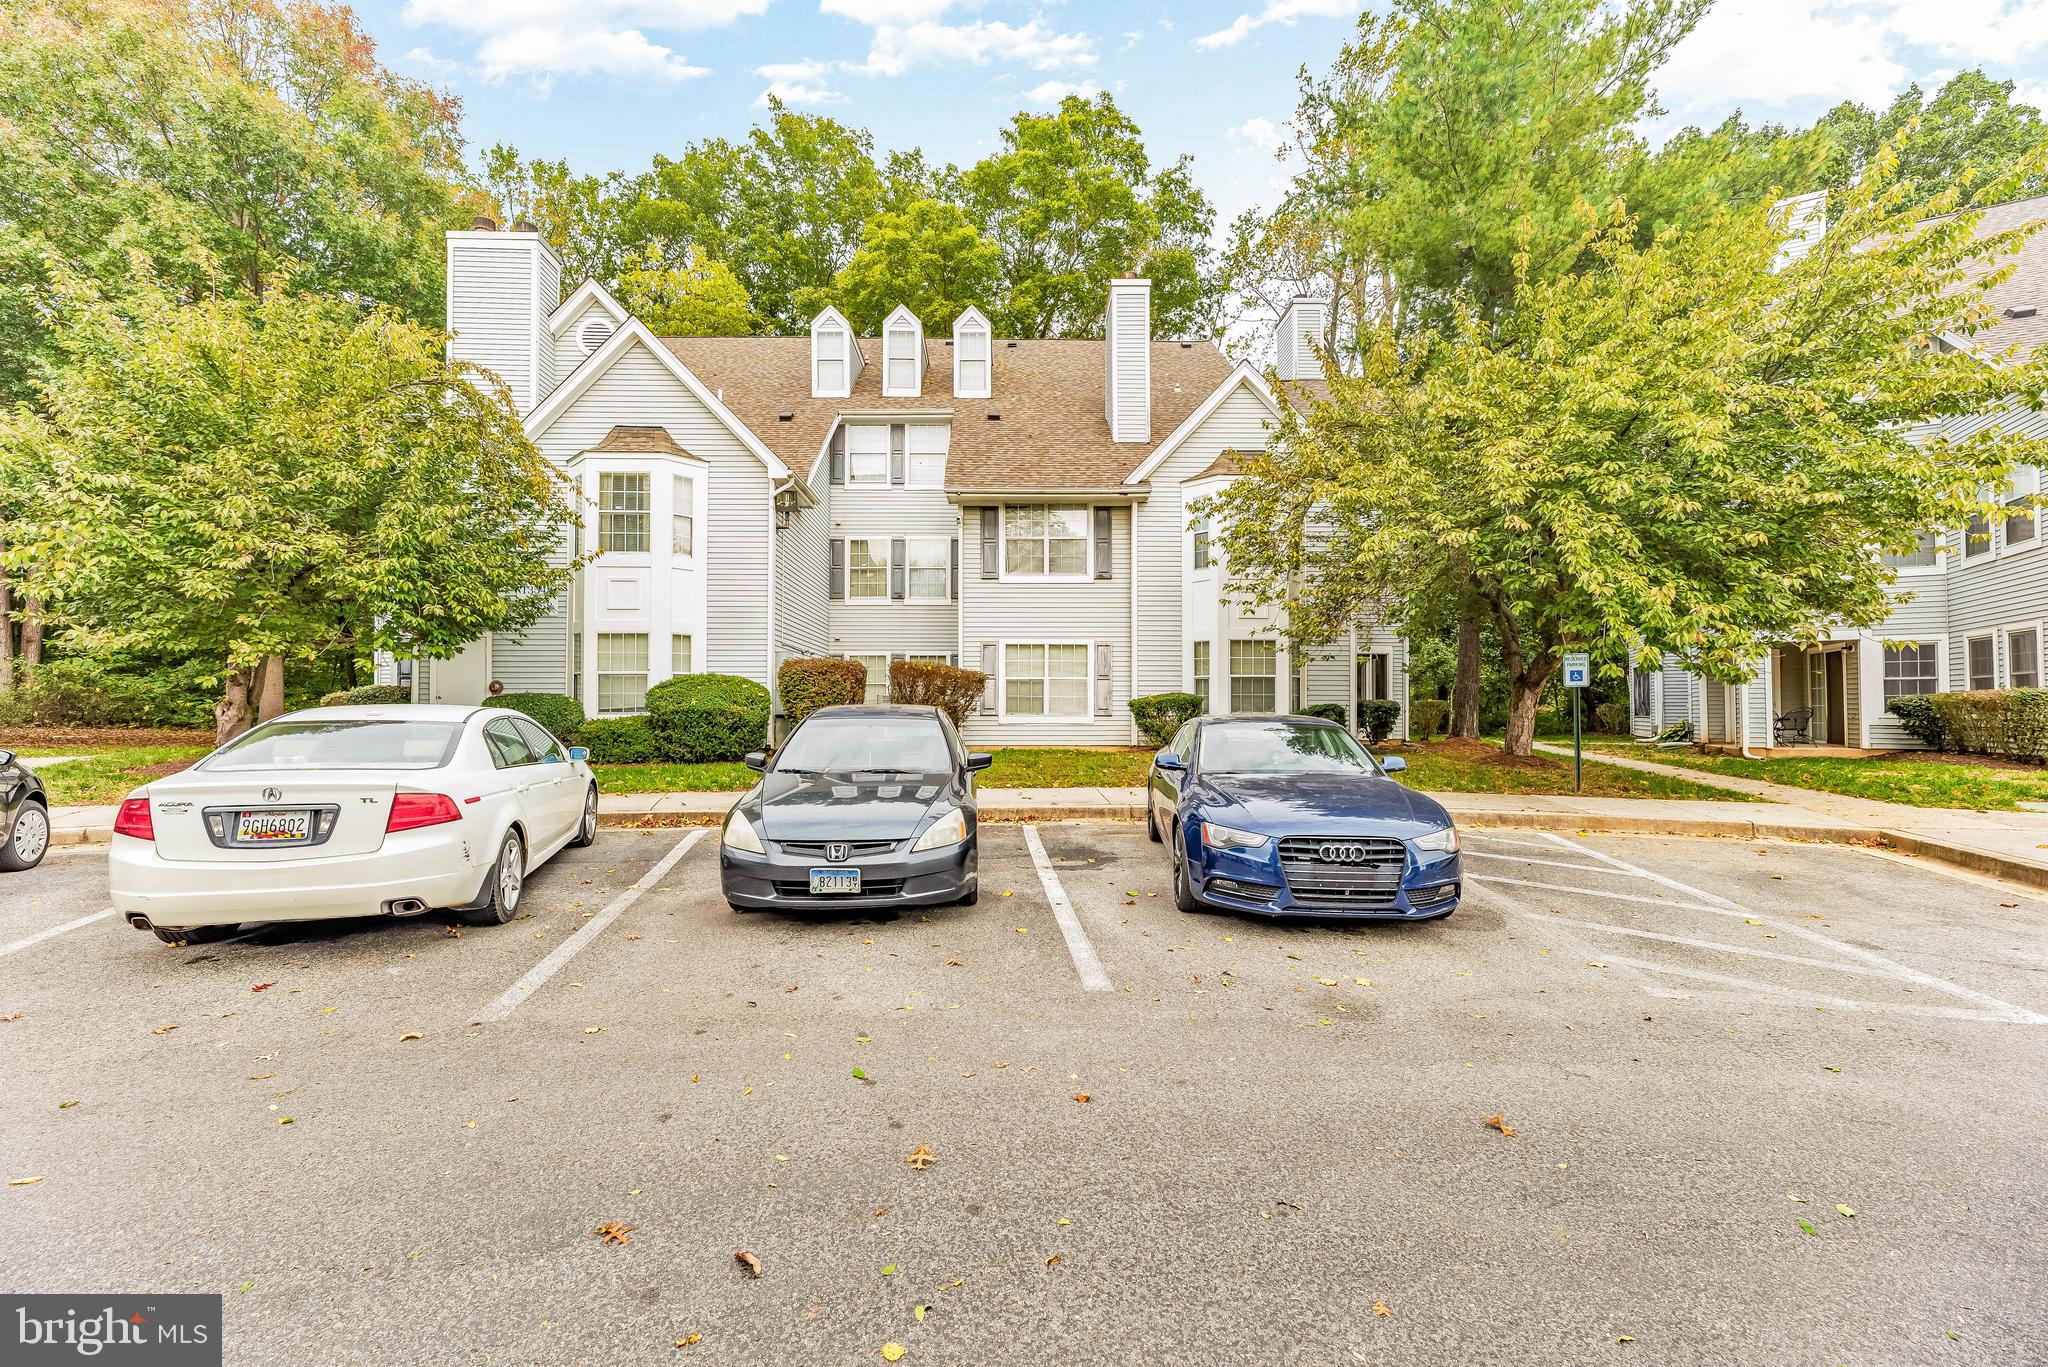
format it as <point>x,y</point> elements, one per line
<point>836,852</point>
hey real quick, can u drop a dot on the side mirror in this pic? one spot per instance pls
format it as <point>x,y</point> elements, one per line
<point>976,762</point>
<point>1168,761</point>
<point>1393,764</point>
<point>757,759</point>
<point>579,753</point>
<point>6,758</point>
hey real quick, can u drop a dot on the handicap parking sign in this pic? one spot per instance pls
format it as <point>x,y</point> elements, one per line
<point>1578,670</point>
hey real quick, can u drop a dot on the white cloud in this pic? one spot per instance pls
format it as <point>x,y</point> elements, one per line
<point>897,48</point>
<point>1052,92</point>
<point>1259,134</point>
<point>1277,12</point>
<point>423,59</point>
<point>798,93</point>
<point>544,39</point>
<point>1969,31</point>
<point>876,13</point>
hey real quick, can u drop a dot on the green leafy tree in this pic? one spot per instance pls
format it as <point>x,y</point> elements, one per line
<point>1970,131</point>
<point>1682,449</point>
<point>1072,201</point>
<point>928,257</point>
<point>702,298</point>
<point>581,217</point>
<point>283,478</point>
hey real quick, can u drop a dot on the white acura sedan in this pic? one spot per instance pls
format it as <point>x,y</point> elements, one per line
<point>351,811</point>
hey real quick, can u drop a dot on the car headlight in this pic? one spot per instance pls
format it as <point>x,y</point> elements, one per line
<point>1445,840</point>
<point>949,829</point>
<point>740,834</point>
<point>1227,838</point>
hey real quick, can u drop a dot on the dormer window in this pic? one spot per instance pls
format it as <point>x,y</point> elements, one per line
<point>971,344</point>
<point>902,355</point>
<point>835,360</point>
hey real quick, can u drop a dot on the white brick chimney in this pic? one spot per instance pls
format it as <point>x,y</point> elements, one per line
<point>1127,358</point>
<point>501,288</point>
<point>1299,334</point>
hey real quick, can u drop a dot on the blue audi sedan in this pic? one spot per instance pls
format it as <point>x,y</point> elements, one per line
<point>1289,816</point>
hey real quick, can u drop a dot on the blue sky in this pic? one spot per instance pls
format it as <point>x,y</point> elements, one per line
<point>608,83</point>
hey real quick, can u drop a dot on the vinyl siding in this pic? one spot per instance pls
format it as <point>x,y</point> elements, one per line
<point>1332,667</point>
<point>1128,359</point>
<point>1093,610</point>
<point>494,280</point>
<point>801,621</point>
<point>568,349</point>
<point>1240,422</point>
<point>639,390</point>
<point>890,627</point>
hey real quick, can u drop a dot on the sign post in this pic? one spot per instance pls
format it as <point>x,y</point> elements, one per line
<point>1577,671</point>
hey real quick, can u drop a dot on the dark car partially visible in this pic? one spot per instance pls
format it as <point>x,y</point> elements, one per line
<point>24,816</point>
<point>869,806</point>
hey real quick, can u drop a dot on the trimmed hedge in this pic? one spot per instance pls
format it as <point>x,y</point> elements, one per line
<point>369,695</point>
<point>1428,717</point>
<point>1327,711</point>
<point>931,683</point>
<point>619,740</point>
<point>1377,718</point>
<point>1159,715</point>
<point>809,684</point>
<point>558,712</point>
<point>702,718</point>
<point>1984,721</point>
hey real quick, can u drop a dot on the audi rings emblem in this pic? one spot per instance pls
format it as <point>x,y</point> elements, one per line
<point>273,794</point>
<point>1336,853</point>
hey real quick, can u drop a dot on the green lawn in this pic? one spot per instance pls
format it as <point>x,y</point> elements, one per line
<point>1448,766</point>
<point>1014,768</point>
<point>104,774</point>
<point>1926,782</point>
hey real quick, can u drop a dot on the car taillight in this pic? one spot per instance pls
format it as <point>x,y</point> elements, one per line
<point>410,811</point>
<point>133,819</point>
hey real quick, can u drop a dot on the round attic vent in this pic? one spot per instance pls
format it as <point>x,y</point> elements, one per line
<point>594,333</point>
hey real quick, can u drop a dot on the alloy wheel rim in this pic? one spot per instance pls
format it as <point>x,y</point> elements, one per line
<point>590,816</point>
<point>31,833</point>
<point>509,877</point>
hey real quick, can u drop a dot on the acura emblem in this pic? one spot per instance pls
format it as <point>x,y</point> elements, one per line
<point>836,852</point>
<point>273,794</point>
<point>1334,853</point>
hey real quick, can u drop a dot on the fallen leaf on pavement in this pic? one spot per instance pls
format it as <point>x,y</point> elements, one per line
<point>1081,1097</point>
<point>954,963</point>
<point>164,1029</point>
<point>918,1312</point>
<point>862,1076</point>
<point>880,1211</point>
<point>11,1016</point>
<point>1053,1259</point>
<point>892,1352</point>
<point>410,1034</point>
<point>748,1261</point>
<point>23,1181</point>
<point>694,1338</point>
<point>453,932</point>
<point>1499,1122</point>
<point>1845,1212</point>
<point>889,1271</point>
<point>261,1077</point>
<point>2008,905</point>
<point>1624,1338</point>
<point>66,1105</point>
<point>1809,1229</point>
<point>1594,963</point>
<point>1380,1308</point>
<point>921,1157</point>
<point>284,1120</point>
<point>592,1029</point>
<point>614,1232</point>
<point>261,987</point>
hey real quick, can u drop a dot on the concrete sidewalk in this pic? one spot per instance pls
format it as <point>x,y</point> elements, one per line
<point>2005,844</point>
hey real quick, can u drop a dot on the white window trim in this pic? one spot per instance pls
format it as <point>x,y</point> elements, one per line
<point>910,464</point>
<point>2002,654</point>
<point>848,353</point>
<point>2002,547</point>
<point>887,455</point>
<point>1942,557</point>
<point>1003,574</point>
<point>945,544</point>
<point>888,568</point>
<point>886,657</point>
<point>596,520</point>
<point>1006,716</point>
<point>1996,638</point>
<point>599,673</point>
<point>1282,673</point>
<point>1884,649</point>
<point>695,480</point>
<point>973,318</point>
<point>903,321</point>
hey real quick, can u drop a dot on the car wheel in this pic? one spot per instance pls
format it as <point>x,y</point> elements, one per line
<point>30,840</point>
<point>1151,825</point>
<point>508,882</point>
<point>971,896</point>
<point>586,829</point>
<point>1183,892</point>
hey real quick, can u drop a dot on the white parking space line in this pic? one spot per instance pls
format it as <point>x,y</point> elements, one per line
<point>1722,906</point>
<point>1833,966</point>
<point>1837,1003</point>
<point>1502,840</point>
<point>1591,892</point>
<point>53,931</point>
<point>1547,863</point>
<point>1085,962</point>
<point>509,1000</point>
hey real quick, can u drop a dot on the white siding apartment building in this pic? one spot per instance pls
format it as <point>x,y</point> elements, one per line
<point>1019,506</point>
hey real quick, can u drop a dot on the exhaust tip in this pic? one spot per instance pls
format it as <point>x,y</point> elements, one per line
<point>139,921</point>
<point>405,906</point>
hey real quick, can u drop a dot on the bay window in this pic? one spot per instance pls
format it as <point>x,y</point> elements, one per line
<point>622,512</point>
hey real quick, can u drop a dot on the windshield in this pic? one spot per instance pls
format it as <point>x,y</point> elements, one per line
<point>332,743</point>
<point>1281,747</point>
<point>839,745</point>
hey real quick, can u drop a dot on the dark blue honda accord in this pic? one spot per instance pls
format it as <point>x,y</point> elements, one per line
<point>1289,816</point>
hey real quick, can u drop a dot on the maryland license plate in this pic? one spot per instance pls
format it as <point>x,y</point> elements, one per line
<point>825,881</point>
<point>273,828</point>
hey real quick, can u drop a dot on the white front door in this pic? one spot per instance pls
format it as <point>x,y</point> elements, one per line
<point>466,679</point>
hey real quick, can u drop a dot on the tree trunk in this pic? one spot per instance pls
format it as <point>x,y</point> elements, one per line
<point>1465,688</point>
<point>31,633</point>
<point>1523,696</point>
<point>232,714</point>
<point>270,694</point>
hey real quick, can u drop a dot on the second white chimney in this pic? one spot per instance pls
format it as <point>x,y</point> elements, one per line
<point>1300,332</point>
<point>1127,358</point>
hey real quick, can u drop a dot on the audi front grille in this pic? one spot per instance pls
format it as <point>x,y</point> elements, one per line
<point>1362,872</point>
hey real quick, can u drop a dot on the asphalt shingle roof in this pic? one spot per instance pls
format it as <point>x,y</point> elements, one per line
<point>2026,288</point>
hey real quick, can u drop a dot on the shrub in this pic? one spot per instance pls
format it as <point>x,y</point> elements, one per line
<point>1377,718</point>
<point>619,740</point>
<point>808,685</point>
<point>1159,715</point>
<point>702,718</point>
<point>929,683</point>
<point>1994,721</point>
<point>109,690</point>
<point>1328,711</point>
<point>1427,717</point>
<point>1611,717</point>
<point>1917,716</point>
<point>369,695</point>
<point>558,712</point>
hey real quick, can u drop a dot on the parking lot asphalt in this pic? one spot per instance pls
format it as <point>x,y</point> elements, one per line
<point>1710,1054</point>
